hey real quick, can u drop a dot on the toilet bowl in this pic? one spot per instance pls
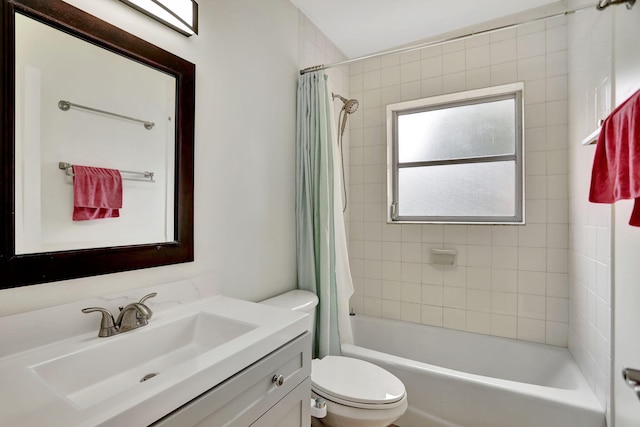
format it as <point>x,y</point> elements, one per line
<point>357,393</point>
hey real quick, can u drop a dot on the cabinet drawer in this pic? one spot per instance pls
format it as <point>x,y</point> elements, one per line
<point>243,398</point>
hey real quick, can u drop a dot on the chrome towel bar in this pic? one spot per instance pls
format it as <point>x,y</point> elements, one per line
<point>66,105</point>
<point>148,176</point>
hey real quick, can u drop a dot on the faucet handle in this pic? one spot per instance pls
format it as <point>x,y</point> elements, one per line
<point>143,320</point>
<point>107,324</point>
<point>146,297</point>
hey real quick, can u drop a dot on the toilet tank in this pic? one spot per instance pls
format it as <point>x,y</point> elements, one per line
<point>297,300</point>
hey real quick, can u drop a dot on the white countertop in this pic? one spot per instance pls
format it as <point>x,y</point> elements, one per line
<point>26,399</point>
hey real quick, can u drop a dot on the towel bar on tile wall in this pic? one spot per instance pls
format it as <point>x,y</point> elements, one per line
<point>148,176</point>
<point>592,138</point>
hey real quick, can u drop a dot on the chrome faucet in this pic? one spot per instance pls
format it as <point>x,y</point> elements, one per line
<point>131,316</point>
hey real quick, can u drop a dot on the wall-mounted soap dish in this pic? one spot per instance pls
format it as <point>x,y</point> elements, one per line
<point>443,257</point>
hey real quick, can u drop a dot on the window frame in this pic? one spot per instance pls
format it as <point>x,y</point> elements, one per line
<point>509,91</point>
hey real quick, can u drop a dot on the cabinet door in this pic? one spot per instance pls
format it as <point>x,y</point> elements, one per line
<point>292,411</point>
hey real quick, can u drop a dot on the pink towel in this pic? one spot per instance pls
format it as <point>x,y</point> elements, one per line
<point>97,193</point>
<point>616,165</point>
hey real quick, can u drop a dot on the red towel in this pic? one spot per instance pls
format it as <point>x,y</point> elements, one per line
<point>97,193</point>
<point>616,165</point>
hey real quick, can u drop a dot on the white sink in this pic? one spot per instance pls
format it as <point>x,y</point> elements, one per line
<point>118,363</point>
<point>51,375</point>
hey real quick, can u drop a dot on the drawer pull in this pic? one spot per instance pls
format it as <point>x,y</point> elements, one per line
<point>278,380</point>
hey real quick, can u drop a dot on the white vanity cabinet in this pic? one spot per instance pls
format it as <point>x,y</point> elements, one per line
<point>274,391</point>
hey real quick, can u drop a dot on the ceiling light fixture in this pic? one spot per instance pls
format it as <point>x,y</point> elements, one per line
<point>181,15</point>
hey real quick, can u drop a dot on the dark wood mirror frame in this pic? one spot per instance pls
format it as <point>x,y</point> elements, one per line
<point>29,269</point>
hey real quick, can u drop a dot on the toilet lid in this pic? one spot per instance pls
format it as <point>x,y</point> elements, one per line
<point>355,380</point>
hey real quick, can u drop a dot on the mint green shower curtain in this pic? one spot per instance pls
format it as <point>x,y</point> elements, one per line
<point>322,261</point>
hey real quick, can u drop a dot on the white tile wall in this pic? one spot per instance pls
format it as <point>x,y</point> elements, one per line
<point>547,281</point>
<point>589,256</point>
<point>509,281</point>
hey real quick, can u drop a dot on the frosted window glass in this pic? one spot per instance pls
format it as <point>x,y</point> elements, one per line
<point>458,190</point>
<point>474,130</point>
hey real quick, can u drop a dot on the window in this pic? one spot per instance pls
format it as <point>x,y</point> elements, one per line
<point>457,158</point>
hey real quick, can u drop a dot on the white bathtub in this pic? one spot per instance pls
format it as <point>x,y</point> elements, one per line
<point>460,379</point>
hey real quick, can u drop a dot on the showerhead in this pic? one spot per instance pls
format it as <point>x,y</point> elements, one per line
<point>350,105</point>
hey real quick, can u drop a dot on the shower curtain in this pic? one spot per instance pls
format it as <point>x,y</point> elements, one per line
<point>322,259</point>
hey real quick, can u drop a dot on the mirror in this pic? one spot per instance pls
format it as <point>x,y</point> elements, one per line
<point>73,87</point>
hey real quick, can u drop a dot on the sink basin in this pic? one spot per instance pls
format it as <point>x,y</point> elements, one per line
<point>56,371</point>
<point>116,364</point>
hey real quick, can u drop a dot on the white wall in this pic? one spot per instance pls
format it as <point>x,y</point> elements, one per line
<point>510,281</point>
<point>246,58</point>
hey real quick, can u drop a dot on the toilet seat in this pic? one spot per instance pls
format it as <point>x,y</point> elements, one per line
<point>356,383</point>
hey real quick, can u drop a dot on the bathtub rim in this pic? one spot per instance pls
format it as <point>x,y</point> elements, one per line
<point>581,397</point>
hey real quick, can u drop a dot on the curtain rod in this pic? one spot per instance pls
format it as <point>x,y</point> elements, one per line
<point>602,4</point>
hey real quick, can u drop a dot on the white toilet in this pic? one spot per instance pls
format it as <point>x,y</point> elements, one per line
<point>357,393</point>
